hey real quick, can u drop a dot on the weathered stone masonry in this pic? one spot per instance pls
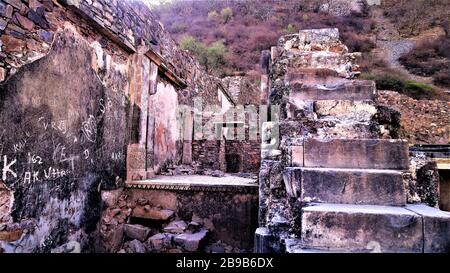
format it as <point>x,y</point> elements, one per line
<point>82,83</point>
<point>333,170</point>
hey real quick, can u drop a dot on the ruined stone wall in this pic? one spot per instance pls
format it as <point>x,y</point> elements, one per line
<point>206,153</point>
<point>237,146</point>
<point>312,80</point>
<point>65,138</point>
<point>249,153</point>
<point>242,90</point>
<point>233,224</point>
<point>71,73</point>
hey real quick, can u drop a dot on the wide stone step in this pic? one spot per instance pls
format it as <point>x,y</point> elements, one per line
<point>294,246</point>
<point>350,90</point>
<point>436,228</point>
<point>345,186</point>
<point>361,228</point>
<point>323,61</point>
<point>356,153</point>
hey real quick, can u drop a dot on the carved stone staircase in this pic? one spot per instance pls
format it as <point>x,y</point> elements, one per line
<point>353,199</point>
<point>350,190</point>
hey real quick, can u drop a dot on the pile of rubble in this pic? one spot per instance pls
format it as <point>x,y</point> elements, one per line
<point>137,227</point>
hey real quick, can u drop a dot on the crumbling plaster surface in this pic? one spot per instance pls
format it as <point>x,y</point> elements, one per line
<point>63,138</point>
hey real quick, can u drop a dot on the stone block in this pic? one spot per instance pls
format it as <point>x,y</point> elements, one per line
<point>175,227</point>
<point>113,239</point>
<point>351,111</point>
<point>2,74</point>
<point>152,213</point>
<point>357,153</point>
<point>111,198</point>
<point>361,228</point>
<point>24,22</point>
<point>192,242</point>
<point>137,232</point>
<point>135,246</point>
<point>160,241</point>
<point>15,3</point>
<point>11,44</point>
<point>436,228</point>
<point>297,156</point>
<point>263,239</point>
<point>346,186</point>
<point>10,236</point>
<point>3,24</point>
<point>320,35</point>
<point>350,90</point>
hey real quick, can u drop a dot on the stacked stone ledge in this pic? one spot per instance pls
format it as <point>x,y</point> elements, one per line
<point>333,179</point>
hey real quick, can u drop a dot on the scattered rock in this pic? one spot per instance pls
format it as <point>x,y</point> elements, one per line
<point>194,227</point>
<point>192,242</point>
<point>110,198</point>
<point>135,246</point>
<point>11,44</point>
<point>152,213</point>
<point>176,227</point>
<point>24,22</point>
<point>113,239</point>
<point>70,247</point>
<point>10,236</point>
<point>137,232</point>
<point>160,241</point>
<point>38,17</point>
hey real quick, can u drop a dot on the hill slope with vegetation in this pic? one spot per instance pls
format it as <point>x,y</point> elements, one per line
<point>227,36</point>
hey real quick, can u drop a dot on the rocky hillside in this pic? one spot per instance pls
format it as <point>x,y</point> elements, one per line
<point>245,28</point>
<point>406,54</point>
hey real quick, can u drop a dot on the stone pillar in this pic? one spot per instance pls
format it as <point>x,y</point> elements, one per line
<point>265,61</point>
<point>153,84</point>
<point>188,128</point>
<point>274,53</point>
<point>139,100</point>
<point>264,89</point>
<point>265,69</point>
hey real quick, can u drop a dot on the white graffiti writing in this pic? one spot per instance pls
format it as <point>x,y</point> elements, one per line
<point>105,106</point>
<point>117,156</point>
<point>34,159</point>
<point>7,168</point>
<point>89,128</point>
<point>50,173</point>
